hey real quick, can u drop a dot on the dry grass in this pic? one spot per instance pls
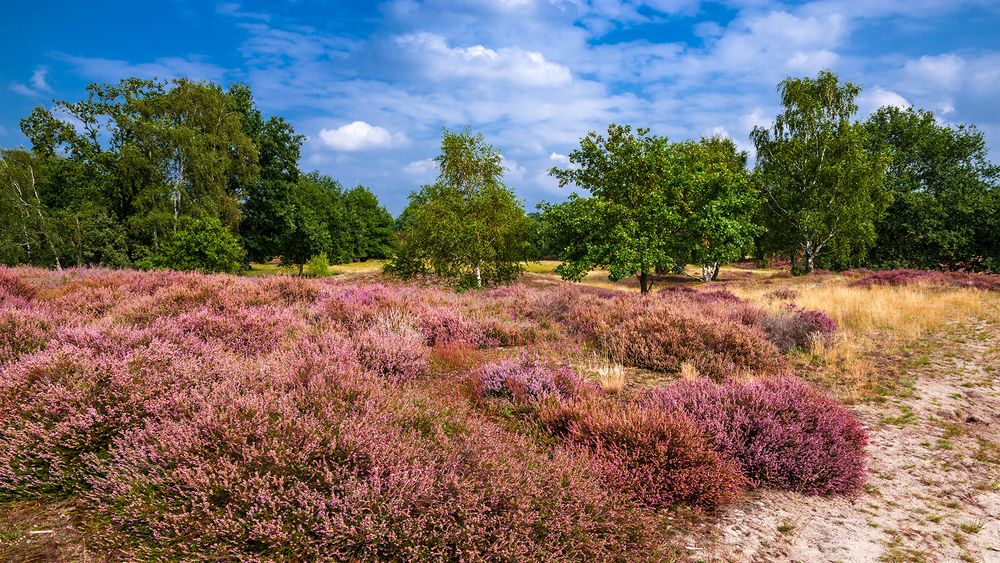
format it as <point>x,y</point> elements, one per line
<point>610,375</point>
<point>688,370</point>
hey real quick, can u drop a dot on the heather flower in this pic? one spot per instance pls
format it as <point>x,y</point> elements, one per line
<point>782,433</point>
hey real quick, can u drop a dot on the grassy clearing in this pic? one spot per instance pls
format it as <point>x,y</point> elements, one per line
<point>264,270</point>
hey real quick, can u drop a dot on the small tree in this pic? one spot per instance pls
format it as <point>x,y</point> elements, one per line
<point>822,186</point>
<point>368,226</point>
<point>468,225</point>
<point>633,224</point>
<point>308,221</point>
<point>720,202</point>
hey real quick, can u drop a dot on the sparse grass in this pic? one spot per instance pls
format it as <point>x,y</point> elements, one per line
<point>971,527</point>
<point>786,527</point>
<point>610,375</point>
<point>905,417</point>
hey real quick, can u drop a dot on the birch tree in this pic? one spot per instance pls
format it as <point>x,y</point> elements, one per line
<point>467,226</point>
<point>822,188</point>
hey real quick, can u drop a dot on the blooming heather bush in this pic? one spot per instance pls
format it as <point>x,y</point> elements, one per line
<point>392,348</point>
<point>782,433</point>
<point>63,406</point>
<point>664,331</point>
<point>22,330</point>
<point>254,473</point>
<point>242,330</point>
<point>526,378</point>
<point>11,285</point>
<point>782,294</point>
<point>657,457</point>
<point>931,277</point>
<point>795,327</point>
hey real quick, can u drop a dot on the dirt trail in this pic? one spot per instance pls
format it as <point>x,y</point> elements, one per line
<point>933,492</point>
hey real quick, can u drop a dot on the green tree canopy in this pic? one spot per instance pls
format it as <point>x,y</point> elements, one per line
<point>368,227</point>
<point>468,226</point>
<point>822,185</point>
<point>946,209</point>
<point>201,244</point>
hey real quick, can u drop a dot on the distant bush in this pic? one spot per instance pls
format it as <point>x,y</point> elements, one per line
<point>930,277</point>
<point>318,266</point>
<point>794,327</point>
<point>664,332</point>
<point>782,433</point>
<point>657,457</point>
<point>202,245</point>
<point>392,348</point>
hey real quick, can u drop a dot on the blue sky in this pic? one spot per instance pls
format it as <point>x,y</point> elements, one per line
<point>372,84</point>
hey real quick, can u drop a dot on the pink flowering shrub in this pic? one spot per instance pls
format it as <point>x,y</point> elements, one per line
<point>392,348</point>
<point>63,406</point>
<point>661,332</point>
<point>526,378</point>
<point>11,285</point>
<point>242,330</point>
<point>794,327</point>
<point>904,276</point>
<point>22,330</point>
<point>351,474</point>
<point>782,433</point>
<point>657,457</point>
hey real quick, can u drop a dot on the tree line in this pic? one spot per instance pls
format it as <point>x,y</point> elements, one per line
<point>827,190</point>
<point>180,174</point>
<point>187,175</point>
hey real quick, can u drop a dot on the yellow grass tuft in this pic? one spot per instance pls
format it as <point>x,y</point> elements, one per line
<point>610,375</point>
<point>688,370</point>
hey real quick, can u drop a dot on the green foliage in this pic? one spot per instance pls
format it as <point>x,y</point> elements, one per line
<point>720,203</point>
<point>946,209</point>
<point>318,266</point>
<point>822,185</point>
<point>203,245</point>
<point>311,215</point>
<point>655,206</point>
<point>468,226</point>
<point>368,227</point>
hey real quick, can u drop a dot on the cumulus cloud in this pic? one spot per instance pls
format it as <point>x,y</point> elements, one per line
<point>943,70</point>
<point>878,97</point>
<point>511,64</point>
<point>360,135</point>
<point>424,168</point>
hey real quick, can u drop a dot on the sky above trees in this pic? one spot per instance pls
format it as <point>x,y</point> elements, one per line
<point>372,85</point>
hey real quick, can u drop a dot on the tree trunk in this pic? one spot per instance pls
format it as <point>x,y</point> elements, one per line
<point>715,272</point>
<point>301,264</point>
<point>643,282</point>
<point>479,276</point>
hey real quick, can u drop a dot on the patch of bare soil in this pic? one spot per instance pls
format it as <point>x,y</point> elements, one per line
<point>41,531</point>
<point>933,491</point>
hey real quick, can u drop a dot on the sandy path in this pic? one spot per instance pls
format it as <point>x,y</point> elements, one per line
<point>933,492</point>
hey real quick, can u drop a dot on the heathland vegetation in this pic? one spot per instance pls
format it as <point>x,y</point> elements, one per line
<point>382,415</point>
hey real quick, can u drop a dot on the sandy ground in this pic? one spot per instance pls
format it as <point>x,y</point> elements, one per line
<point>933,491</point>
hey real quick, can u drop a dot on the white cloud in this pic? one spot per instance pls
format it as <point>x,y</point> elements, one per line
<point>511,64</point>
<point>878,97</point>
<point>194,67</point>
<point>424,168</point>
<point>235,10</point>
<point>38,79</point>
<point>512,170</point>
<point>942,70</point>
<point>39,85</point>
<point>559,159</point>
<point>360,135</point>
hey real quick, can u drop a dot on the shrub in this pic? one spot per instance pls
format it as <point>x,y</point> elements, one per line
<point>202,245</point>
<point>782,433</point>
<point>783,294</point>
<point>13,286</point>
<point>22,331</point>
<point>526,378</point>
<point>795,327</point>
<point>657,457</point>
<point>64,406</point>
<point>392,348</point>
<point>318,266</point>
<point>930,277</point>
<point>254,473</point>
